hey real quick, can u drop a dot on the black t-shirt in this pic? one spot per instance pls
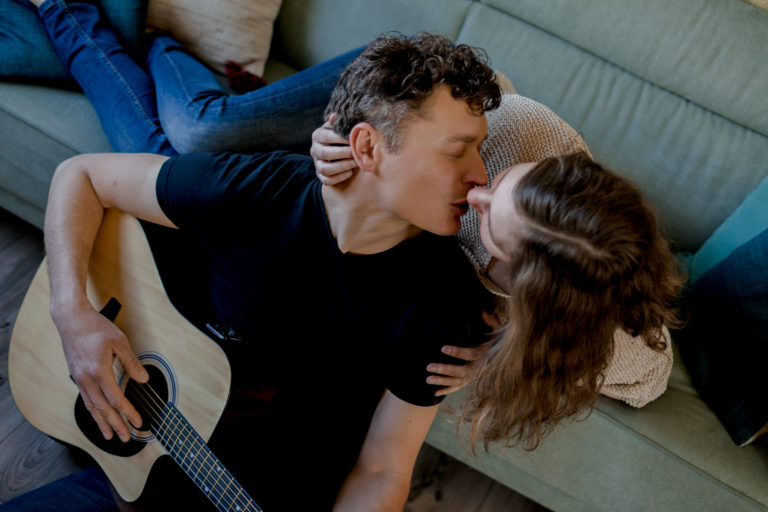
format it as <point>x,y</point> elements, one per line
<point>330,331</point>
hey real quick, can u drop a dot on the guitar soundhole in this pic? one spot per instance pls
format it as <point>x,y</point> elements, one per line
<point>148,399</point>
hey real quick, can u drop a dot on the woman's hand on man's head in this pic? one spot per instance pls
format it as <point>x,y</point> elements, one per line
<point>332,155</point>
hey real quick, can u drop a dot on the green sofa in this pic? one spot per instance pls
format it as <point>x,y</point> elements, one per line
<point>669,93</point>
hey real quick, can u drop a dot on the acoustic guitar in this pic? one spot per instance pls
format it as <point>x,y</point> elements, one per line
<point>189,373</point>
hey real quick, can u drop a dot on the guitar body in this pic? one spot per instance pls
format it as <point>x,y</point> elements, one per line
<point>195,369</point>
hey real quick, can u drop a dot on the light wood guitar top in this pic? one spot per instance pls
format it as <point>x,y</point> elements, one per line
<point>121,267</point>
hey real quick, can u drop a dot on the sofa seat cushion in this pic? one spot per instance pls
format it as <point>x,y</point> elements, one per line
<point>52,124</point>
<point>585,465</point>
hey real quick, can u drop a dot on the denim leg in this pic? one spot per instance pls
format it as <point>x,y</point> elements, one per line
<point>85,491</point>
<point>197,115</point>
<point>119,89</point>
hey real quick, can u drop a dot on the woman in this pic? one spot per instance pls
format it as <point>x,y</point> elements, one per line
<point>246,120</point>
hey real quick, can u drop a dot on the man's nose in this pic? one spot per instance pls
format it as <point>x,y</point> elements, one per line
<point>477,175</point>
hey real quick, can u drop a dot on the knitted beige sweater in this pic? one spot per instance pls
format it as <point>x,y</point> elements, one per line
<point>523,130</point>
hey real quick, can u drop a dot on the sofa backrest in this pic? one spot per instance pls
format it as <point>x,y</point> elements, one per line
<point>670,94</point>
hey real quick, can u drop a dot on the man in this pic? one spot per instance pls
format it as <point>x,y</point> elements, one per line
<point>346,350</point>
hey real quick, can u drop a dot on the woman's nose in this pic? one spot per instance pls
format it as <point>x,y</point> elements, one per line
<point>479,198</point>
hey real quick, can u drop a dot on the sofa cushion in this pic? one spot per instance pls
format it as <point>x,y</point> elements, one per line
<point>28,128</point>
<point>27,51</point>
<point>217,32</point>
<point>760,4</point>
<point>696,166</point>
<point>695,53</point>
<point>622,458</point>
<point>725,344</point>
<point>307,33</point>
<point>746,221</point>
<point>584,465</point>
<point>727,302</point>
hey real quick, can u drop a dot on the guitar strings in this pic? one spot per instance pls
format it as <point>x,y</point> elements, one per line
<point>146,398</point>
<point>140,393</point>
<point>144,393</point>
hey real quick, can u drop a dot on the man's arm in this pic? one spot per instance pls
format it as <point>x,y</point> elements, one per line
<point>82,187</point>
<point>381,478</point>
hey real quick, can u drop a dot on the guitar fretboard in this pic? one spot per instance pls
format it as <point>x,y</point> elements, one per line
<point>190,452</point>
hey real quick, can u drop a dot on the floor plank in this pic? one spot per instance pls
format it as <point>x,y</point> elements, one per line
<point>42,460</point>
<point>29,458</point>
<point>456,488</point>
<point>501,498</point>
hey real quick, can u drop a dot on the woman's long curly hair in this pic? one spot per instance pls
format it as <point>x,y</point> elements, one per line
<point>590,258</point>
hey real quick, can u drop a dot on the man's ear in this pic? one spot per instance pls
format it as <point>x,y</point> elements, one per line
<point>363,140</point>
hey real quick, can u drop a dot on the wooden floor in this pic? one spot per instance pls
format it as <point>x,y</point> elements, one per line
<point>29,458</point>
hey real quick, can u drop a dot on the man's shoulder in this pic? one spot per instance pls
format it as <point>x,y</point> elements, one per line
<point>222,160</point>
<point>195,188</point>
<point>239,173</point>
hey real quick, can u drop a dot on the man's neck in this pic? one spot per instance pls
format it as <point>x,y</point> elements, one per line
<point>359,223</point>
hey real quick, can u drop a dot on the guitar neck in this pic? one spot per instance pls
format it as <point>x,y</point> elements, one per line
<point>190,452</point>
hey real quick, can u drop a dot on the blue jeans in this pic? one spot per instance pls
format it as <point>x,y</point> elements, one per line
<point>87,490</point>
<point>175,104</point>
<point>197,115</point>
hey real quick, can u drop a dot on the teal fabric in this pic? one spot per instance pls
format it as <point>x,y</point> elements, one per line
<point>28,53</point>
<point>749,219</point>
<point>711,52</point>
<point>725,344</point>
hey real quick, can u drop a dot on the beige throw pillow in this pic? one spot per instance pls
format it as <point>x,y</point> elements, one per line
<point>760,4</point>
<point>217,31</point>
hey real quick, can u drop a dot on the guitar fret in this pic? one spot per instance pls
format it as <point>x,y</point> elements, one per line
<point>207,487</point>
<point>186,447</point>
<point>236,497</point>
<point>229,482</point>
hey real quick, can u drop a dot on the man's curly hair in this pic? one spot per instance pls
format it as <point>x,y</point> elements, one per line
<point>389,81</point>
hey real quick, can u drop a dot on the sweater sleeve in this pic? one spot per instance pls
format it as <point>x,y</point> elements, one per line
<point>637,374</point>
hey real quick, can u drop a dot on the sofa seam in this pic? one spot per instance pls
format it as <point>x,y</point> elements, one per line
<point>615,65</point>
<point>44,132</point>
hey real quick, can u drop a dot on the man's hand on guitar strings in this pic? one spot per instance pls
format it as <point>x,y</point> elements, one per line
<point>91,343</point>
